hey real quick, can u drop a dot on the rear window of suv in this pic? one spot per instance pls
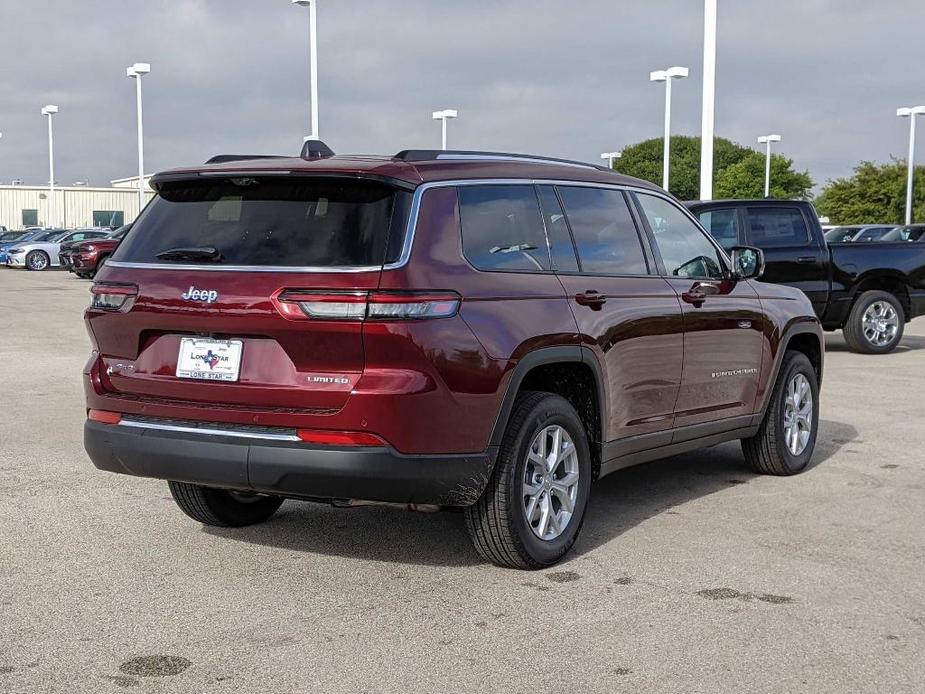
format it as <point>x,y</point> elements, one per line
<point>291,222</point>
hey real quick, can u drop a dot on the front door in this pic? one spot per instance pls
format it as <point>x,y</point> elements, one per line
<point>631,319</point>
<point>724,326</point>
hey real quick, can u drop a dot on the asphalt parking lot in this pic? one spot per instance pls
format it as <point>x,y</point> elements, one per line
<point>691,573</point>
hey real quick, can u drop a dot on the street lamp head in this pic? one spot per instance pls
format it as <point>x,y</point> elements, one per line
<point>48,110</point>
<point>611,155</point>
<point>671,73</point>
<point>448,113</point>
<point>138,69</point>
<point>909,112</point>
<point>765,139</point>
<point>302,3</point>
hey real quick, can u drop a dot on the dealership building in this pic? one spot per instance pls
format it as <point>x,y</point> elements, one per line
<point>76,206</point>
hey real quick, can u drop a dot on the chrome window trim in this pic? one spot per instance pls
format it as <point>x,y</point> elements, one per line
<point>411,229</point>
<point>207,431</point>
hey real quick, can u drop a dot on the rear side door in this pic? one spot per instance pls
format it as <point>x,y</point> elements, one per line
<point>626,314</point>
<point>792,256</point>
<point>724,325</point>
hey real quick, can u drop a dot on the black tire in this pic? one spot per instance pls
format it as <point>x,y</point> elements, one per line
<point>222,508</point>
<point>99,266</point>
<point>767,452</point>
<point>854,328</point>
<point>497,522</point>
<point>37,261</point>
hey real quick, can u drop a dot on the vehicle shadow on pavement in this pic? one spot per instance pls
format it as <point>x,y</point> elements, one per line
<point>629,497</point>
<point>618,503</point>
<point>909,343</point>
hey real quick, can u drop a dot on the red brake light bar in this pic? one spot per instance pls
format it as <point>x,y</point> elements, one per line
<point>104,417</point>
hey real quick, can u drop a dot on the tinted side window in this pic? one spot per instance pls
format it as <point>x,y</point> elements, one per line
<point>560,239</point>
<point>723,226</point>
<point>605,233</point>
<point>686,250</point>
<point>502,228</point>
<point>772,227</point>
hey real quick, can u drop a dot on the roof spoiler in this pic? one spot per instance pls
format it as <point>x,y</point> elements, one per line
<point>316,149</point>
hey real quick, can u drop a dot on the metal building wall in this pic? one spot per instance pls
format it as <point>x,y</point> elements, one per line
<point>74,205</point>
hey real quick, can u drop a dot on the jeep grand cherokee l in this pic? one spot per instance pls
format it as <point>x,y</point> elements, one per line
<point>449,329</point>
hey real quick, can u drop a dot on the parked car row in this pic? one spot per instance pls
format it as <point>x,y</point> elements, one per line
<point>81,251</point>
<point>886,233</point>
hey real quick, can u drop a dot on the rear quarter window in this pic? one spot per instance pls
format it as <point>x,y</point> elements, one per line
<point>273,222</point>
<point>502,228</point>
<point>773,227</point>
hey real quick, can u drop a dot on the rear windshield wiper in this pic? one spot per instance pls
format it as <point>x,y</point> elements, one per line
<point>209,255</point>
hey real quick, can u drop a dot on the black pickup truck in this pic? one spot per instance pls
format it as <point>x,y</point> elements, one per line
<point>868,290</point>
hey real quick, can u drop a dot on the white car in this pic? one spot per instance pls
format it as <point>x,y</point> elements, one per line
<point>42,252</point>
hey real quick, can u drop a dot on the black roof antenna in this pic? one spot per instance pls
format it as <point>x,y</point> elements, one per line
<point>316,149</point>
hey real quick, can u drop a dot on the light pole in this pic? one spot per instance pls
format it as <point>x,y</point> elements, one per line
<point>136,71</point>
<point>611,157</point>
<point>767,140</point>
<point>444,116</point>
<point>910,113</point>
<point>667,76</point>
<point>49,111</point>
<point>313,57</point>
<point>709,99</point>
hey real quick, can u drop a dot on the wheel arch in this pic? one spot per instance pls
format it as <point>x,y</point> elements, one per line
<point>889,281</point>
<point>802,336</point>
<point>565,370</point>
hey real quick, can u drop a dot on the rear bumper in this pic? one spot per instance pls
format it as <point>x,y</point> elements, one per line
<point>288,468</point>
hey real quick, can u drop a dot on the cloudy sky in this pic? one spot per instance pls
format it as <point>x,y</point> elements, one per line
<point>560,78</point>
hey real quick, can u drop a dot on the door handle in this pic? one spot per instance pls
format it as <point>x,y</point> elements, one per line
<point>699,292</point>
<point>592,299</point>
<point>807,259</point>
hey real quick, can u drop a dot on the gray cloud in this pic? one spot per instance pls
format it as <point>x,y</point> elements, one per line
<point>565,79</point>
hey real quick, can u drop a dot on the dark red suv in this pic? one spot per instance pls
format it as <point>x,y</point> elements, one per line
<point>434,329</point>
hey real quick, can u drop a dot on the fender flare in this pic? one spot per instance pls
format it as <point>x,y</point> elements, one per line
<point>563,354</point>
<point>799,327</point>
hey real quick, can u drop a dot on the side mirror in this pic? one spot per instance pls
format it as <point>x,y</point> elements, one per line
<point>747,262</point>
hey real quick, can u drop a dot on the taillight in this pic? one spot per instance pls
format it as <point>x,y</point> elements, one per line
<point>322,437</point>
<point>111,297</point>
<point>359,306</point>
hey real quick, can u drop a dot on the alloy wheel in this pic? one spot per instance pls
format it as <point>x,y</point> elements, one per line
<point>798,414</point>
<point>550,482</point>
<point>37,261</point>
<point>880,323</point>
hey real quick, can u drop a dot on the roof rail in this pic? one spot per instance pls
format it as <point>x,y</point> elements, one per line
<point>225,158</point>
<point>413,155</point>
<point>316,149</point>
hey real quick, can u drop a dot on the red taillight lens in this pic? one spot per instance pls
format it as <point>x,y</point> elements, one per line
<point>104,417</point>
<point>339,438</point>
<point>111,297</point>
<point>360,306</point>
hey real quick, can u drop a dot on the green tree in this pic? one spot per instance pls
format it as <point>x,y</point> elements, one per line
<point>644,160</point>
<point>745,179</point>
<point>875,194</point>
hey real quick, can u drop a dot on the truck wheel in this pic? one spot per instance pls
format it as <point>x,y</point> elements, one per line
<point>787,436</point>
<point>532,510</point>
<point>223,508</point>
<point>37,260</point>
<point>99,266</point>
<point>876,323</point>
